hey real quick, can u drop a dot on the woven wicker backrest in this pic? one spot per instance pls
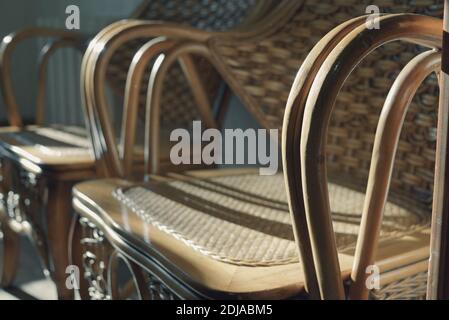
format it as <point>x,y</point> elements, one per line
<point>212,15</point>
<point>262,72</point>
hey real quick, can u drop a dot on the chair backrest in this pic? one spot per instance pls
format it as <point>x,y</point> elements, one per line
<point>217,15</point>
<point>111,57</point>
<point>261,72</point>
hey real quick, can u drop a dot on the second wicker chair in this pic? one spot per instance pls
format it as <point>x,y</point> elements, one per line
<point>228,233</point>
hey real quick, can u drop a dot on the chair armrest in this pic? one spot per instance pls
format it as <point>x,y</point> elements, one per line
<point>292,126</point>
<point>320,101</point>
<point>60,38</point>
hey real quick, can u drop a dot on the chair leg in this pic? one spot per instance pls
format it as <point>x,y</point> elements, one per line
<point>30,209</point>
<point>11,250</point>
<point>59,217</point>
<point>137,283</point>
<point>37,238</point>
<point>76,256</point>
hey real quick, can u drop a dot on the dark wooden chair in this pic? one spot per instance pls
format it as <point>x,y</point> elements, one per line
<point>42,162</point>
<point>228,233</point>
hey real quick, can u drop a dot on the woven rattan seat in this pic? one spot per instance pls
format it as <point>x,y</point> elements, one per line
<point>244,244</point>
<point>244,219</point>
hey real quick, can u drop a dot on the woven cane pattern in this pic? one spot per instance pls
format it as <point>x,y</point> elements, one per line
<point>178,104</point>
<point>245,220</point>
<point>410,288</point>
<point>266,69</point>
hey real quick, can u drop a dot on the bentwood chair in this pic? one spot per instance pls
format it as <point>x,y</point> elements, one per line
<point>228,233</point>
<point>41,163</point>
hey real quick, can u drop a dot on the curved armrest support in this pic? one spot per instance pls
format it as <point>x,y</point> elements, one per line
<point>384,150</point>
<point>328,82</point>
<point>7,46</point>
<point>292,125</point>
<point>173,52</point>
<point>181,52</point>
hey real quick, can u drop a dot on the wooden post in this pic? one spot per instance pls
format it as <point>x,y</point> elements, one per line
<point>438,281</point>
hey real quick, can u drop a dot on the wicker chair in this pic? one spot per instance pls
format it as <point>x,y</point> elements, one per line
<point>227,233</point>
<point>43,160</point>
